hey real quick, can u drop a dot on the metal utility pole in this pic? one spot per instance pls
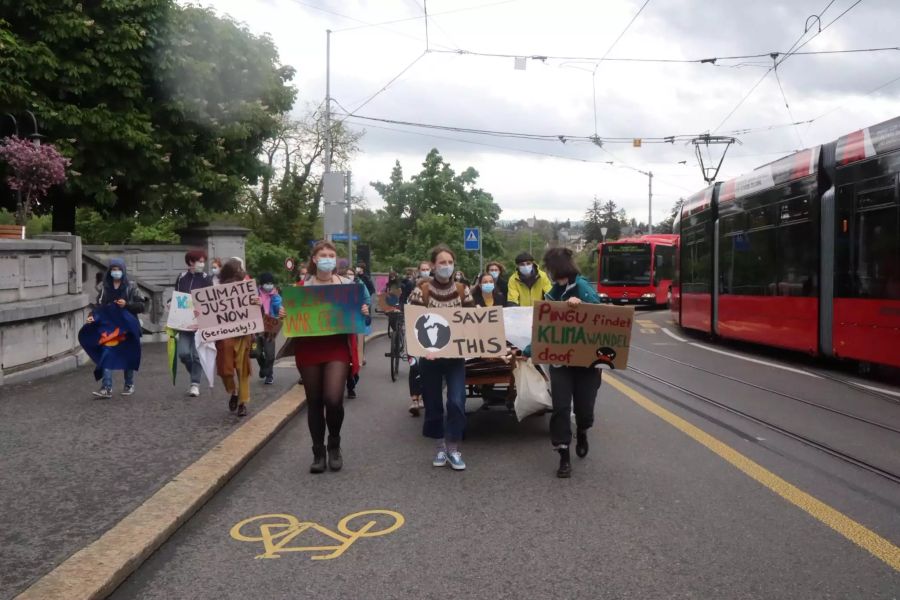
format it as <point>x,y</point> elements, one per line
<point>328,140</point>
<point>350,219</point>
<point>650,202</point>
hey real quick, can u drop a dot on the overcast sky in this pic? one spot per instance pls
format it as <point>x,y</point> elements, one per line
<point>555,97</point>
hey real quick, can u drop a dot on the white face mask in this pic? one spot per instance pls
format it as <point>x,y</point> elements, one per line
<point>215,270</point>
<point>445,271</point>
<point>268,287</point>
<point>199,266</point>
<point>526,269</point>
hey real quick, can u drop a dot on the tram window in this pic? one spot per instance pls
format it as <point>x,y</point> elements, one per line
<point>794,209</point>
<point>695,269</point>
<point>877,245</point>
<point>753,266</point>
<point>797,259</point>
<point>873,198</point>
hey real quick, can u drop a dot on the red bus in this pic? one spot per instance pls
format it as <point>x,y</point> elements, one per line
<point>802,253</point>
<point>637,270</point>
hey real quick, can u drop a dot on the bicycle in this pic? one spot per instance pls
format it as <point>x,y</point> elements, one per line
<point>397,337</point>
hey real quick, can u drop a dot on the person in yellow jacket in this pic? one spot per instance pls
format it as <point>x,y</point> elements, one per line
<point>528,284</point>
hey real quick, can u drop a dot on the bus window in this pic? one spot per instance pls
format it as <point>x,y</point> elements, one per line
<point>665,263</point>
<point>625,264</point>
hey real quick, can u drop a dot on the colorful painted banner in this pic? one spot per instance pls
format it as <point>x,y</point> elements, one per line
<point>316,310</point>
<point>227,311</point>
<point>112,340</point>
<point>587,335</point>
<point>455,332</point>
<point>181,312</point>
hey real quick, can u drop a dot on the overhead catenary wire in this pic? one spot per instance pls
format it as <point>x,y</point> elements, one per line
<point>387,85</point>
<point>417,17</point>
<point>605,54</point>
<point>793,49</point>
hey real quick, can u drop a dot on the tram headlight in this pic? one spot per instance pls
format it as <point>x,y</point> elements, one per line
<point>648,295</point>
<point>602,295</point>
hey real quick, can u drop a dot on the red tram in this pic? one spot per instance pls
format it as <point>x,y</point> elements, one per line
<point>802,253</point>
<point>637,270</point>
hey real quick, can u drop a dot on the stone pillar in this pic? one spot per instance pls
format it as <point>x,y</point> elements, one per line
<point>74,258</point>
<point>223,241</point>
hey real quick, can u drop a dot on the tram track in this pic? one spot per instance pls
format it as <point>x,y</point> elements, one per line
<point>778,393</point>
<point>807,441</point>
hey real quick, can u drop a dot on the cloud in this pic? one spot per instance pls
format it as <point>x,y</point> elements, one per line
<point>633,99</point>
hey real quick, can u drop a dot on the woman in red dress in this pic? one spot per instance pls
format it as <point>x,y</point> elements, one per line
<point>324,363</point>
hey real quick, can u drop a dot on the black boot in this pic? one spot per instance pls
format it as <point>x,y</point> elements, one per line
<point>581,443</point>
<point>335,460</point>
<point>565,464</point>
<point>318,464</point>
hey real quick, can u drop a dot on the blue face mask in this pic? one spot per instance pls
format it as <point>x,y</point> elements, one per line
<point>445,271</point>
<point>424,273</point>
<point>116,274</point>
<point>487,288</point>
<point>494,274</point>
<point>326,264</point>
<point>525,269</point>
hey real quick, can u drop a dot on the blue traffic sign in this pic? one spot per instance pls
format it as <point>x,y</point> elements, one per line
<point>472,238</point>
<point>342,237</point>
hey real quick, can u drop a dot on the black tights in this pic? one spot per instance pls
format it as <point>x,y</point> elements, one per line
<point>324,386</point>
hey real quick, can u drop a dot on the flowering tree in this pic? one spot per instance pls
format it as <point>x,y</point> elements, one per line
<point>34,170</point>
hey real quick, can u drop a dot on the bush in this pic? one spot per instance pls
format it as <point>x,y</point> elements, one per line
<point>268,257</point>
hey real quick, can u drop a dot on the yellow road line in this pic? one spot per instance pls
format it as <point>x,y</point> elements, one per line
<point>863,537</point>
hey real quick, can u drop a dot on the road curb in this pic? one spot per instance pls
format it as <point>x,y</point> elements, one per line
<point>97,570</point>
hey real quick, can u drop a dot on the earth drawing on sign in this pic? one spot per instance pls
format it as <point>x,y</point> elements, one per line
<point>433,332</point>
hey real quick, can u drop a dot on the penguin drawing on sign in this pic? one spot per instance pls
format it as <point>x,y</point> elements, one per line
<point>605,357</point>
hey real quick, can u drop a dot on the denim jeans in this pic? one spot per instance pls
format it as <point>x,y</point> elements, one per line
<point>434,373</point>
<point>187,354</point>
<point>107,378</point>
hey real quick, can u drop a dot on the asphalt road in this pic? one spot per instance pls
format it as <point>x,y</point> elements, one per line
<point>72,465</point>
<point>650,513</point>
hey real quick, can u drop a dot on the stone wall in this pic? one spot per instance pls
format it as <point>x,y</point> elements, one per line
<point>42,306</point>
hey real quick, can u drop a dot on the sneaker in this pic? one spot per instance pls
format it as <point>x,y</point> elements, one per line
<point>194,391</point>
<point>421,404</point>
<point>414,408</point>
<point>440,459</point>
<point>351,394</point>
<point>456,461</point>
<point>269,380</point>
<point>129,390</point>
<point>103,392</point>
<point>242,410</point>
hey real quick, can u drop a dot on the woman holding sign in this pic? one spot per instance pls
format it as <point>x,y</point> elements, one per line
<point>325,362</point>
<point>233,354</point>
<point>570,385</point>
<point>441,291</point>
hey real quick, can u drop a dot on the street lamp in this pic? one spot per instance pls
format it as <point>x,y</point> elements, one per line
<point>649,175</point>
<point>531,236</point>
<point>603,231</point>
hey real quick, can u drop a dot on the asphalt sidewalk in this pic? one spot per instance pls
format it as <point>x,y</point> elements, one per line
<point>73,466</point>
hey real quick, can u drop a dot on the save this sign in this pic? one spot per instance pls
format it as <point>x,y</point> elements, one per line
<point>454,332</point>
<point>586,335</point>
<point>227,311</point>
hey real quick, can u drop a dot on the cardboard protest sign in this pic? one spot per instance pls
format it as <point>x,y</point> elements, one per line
<point>225,311</point>
<point>181,312</point>
<point>455,332</point>
<point>316,310</point>
<point>587,335</point>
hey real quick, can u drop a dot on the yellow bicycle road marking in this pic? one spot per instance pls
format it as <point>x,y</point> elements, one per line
<point>276,531</point>
<point>863,537</point>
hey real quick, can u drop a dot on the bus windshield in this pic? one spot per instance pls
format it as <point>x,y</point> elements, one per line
<point>625,264</point>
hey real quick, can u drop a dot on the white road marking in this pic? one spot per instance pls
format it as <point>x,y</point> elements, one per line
<point>673,336</point>
<point>757,361</point>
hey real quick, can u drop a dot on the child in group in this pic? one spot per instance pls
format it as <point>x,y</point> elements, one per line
<point>270,301</point>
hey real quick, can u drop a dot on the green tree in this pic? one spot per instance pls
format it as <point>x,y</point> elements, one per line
<point>162,109</point>
<point>433,207</point>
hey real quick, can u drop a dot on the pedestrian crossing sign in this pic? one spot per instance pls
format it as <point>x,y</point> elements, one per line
<point>472,238</point>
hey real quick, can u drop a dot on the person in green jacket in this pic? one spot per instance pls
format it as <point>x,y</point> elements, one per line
<point>529,284</point>
<point>570,385</point>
